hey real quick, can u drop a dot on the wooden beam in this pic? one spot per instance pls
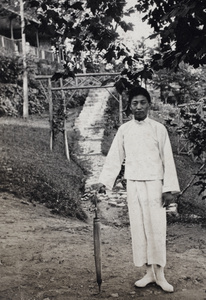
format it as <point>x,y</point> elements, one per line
<point>96,74</point>
<point>82,87</point>
<point>80,75</point>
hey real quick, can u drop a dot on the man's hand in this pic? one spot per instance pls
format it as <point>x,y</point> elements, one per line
<point>167,199</point>
<point>101,188</point>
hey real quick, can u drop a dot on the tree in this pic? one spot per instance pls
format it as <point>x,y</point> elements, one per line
<point>88,24</point>
<point>181,28</point>
<point>25,74</point>
<point>186,84</point>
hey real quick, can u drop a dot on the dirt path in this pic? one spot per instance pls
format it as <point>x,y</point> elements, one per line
<point>44,256</point>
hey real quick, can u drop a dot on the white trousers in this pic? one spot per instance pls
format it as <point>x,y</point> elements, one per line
<point>147,222</point>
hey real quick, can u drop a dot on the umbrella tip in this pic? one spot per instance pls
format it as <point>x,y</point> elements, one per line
<point>99,284</point>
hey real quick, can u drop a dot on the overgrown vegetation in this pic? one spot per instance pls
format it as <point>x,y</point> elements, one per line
<point>28,169</point>
<point>11,99</point>
<point>111,121</point>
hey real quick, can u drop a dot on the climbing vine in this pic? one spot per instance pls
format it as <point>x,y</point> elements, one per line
<point>61,109</point>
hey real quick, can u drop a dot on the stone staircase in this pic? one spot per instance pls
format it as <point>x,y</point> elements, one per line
<point>90,125</point>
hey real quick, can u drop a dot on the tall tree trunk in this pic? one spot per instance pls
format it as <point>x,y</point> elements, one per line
<point>25,75</point>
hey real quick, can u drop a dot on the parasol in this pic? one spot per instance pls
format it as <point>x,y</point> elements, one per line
<point>97,245</point>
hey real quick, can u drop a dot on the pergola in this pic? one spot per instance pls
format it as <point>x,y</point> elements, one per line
<point>80,82</point>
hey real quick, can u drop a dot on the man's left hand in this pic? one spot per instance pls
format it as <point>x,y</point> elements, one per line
<point>167,199</point>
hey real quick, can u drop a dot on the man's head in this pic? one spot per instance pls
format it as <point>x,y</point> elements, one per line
<point>139,102</point>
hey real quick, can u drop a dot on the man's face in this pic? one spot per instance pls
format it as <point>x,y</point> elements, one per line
<point>139,107</point>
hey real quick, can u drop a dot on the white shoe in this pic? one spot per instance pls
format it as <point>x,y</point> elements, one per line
<point>161,281</point>
<point>148,278</point>
<point>145,281</point>
<point>165,286</point>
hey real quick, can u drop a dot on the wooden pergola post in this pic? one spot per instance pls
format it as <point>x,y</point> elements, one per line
<point>37,43</point>
<point>11,29</point>
<point>120,110</point>
<point>50,114</point>
<point>73,88</point>
<point>65,125</point>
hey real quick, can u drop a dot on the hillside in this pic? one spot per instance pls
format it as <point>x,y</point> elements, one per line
<point>28,168</point>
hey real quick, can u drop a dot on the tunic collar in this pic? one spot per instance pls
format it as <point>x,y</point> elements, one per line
<point>146,120</point>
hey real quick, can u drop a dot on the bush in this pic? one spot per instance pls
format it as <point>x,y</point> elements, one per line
<point>78,99</point>
<point>11,101</point>
<point>9,68</point>
<point>111,124</point>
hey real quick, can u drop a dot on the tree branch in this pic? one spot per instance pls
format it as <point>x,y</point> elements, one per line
<point>190,182</point>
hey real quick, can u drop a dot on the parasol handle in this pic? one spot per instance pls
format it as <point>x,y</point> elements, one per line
<point>95,204</point>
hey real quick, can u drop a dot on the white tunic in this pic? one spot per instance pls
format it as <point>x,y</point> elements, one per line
<point>146,148</point>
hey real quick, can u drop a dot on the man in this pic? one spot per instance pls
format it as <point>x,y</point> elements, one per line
<point>151,180</point>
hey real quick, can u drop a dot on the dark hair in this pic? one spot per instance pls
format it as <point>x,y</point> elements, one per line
<point>136,91</point>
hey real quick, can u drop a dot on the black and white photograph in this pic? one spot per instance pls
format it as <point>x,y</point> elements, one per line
<point>102,149</point>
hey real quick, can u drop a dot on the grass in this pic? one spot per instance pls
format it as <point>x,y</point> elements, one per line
<point>29,169</point>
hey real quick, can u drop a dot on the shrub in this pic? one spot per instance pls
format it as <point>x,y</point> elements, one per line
<point>9,68</point>
<point>11,101</point>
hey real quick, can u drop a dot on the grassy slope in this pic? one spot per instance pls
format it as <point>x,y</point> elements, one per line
<point>29,169</point>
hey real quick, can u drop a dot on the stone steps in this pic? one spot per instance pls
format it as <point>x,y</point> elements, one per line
<point>90,125</point>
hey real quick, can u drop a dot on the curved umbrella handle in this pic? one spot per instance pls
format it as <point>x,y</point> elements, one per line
<point>95,204</point>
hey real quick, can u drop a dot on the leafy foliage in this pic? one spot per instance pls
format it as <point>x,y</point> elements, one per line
<point>9,69</point>
<point>61,110</point>
<point>194,128</point>
<point>129,78</point>
<point>201,183</point>
<point>87,23</point>
<point>180,26</point>
<point>183,86</point>
<point>11,99</point>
